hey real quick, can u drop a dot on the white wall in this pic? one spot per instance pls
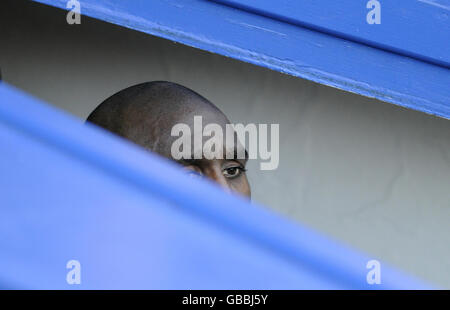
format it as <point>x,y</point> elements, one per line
<point>368,173</point>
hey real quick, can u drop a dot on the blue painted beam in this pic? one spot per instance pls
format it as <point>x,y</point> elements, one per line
<point>70,191</point>
<point>413,28</point>
<point>285,47</point>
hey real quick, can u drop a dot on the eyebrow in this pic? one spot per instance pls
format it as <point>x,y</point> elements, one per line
<point>194,161</point>
<point>188,161</point>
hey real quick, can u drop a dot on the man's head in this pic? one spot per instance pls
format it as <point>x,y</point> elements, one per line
<point>146,114</point>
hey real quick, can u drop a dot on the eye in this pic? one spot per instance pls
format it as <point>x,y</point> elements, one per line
<point>233,172</point>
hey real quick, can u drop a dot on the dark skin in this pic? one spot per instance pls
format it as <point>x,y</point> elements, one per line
<point>145,115</point>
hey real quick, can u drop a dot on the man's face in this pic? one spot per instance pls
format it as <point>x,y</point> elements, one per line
<point>230,174</point>
<point>147,113</point>
<point>228,170</point>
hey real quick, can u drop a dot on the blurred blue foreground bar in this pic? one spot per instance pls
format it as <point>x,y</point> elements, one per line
<point>71,191</point>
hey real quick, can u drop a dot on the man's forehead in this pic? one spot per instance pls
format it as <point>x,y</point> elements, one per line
<point>208,147</point>
<point>230,149</point>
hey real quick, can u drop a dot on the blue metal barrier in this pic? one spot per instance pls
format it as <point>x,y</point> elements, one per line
<point>415,28</point>
<point>70,191</point>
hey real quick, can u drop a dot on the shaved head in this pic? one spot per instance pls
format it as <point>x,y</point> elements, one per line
<point>146,113</point>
